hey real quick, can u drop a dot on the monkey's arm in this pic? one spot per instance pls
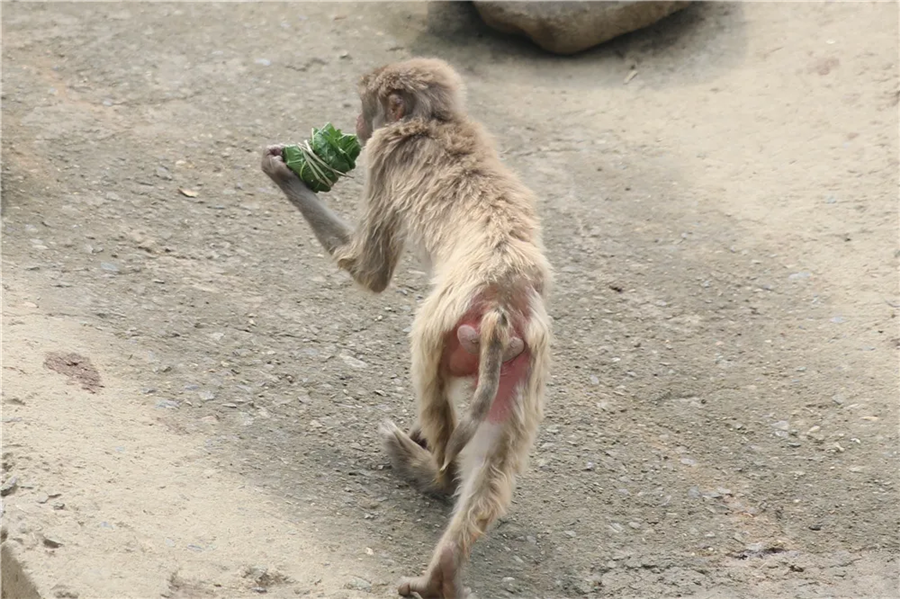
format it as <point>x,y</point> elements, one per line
<point>374,250</point>
<point>370,253</point>
<point>332,232</point>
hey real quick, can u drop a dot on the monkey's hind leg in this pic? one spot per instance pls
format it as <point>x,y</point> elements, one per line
<point>436,410</point>
<point>485,495</point>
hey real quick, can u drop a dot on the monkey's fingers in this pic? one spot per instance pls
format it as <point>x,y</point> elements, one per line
<point>274,150</point>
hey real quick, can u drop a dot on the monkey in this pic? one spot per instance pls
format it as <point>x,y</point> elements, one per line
<point>435,183</point>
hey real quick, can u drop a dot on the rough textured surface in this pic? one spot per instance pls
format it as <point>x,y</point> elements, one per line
<point>722,421</point>
<point>570,27</point>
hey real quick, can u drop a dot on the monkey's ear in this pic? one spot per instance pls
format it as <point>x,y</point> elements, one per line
<point>397,108</point>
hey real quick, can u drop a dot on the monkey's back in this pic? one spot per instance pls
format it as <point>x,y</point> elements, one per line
<point>450,172</point>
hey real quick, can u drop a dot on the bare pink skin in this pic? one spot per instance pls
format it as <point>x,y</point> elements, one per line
<point>461,356</point>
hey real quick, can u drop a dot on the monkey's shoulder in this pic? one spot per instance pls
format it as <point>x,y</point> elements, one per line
<point>455,137</point>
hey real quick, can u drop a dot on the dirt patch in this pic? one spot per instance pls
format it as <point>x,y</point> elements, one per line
<point>76,367</point>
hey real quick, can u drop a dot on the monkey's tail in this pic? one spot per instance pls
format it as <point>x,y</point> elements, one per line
<point>495,336</point>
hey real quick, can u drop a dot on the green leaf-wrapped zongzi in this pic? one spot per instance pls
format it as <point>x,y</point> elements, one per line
<point>322,159</point>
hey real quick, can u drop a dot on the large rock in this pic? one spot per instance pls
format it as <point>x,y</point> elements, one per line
<point>570,27</point>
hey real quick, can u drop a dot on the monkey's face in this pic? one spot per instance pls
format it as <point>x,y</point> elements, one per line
<point>363,129</point>
<point>371,117</point>
<point>365,122</point>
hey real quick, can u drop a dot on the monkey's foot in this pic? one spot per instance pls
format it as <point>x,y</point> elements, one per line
<point>408,458</point>
<point>440,582</point>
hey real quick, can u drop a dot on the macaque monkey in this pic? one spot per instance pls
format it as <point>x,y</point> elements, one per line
<point>434,181</point>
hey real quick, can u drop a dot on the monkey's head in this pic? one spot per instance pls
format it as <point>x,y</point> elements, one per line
<point>426,88</point>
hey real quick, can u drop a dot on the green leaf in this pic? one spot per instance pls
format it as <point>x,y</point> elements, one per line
<point>334,154</point>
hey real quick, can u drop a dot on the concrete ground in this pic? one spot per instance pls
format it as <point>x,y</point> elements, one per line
<point>191,391</point>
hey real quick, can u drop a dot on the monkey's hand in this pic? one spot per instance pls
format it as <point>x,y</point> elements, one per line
<point>274,166</point>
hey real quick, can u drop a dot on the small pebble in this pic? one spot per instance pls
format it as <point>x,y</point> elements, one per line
<point>9,486</point>
<point>358,584</point>
<point>585,587</point>
<point>781,425</point>
<point>509,584</point>
<point>263,61</point>
<point>109,267</point>
<point>163,173</point>
<point>63,592</point>
<point>52,543</point>
<point>353,362</point>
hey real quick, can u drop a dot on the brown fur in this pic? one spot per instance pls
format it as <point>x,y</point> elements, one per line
<point>435,181</point>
